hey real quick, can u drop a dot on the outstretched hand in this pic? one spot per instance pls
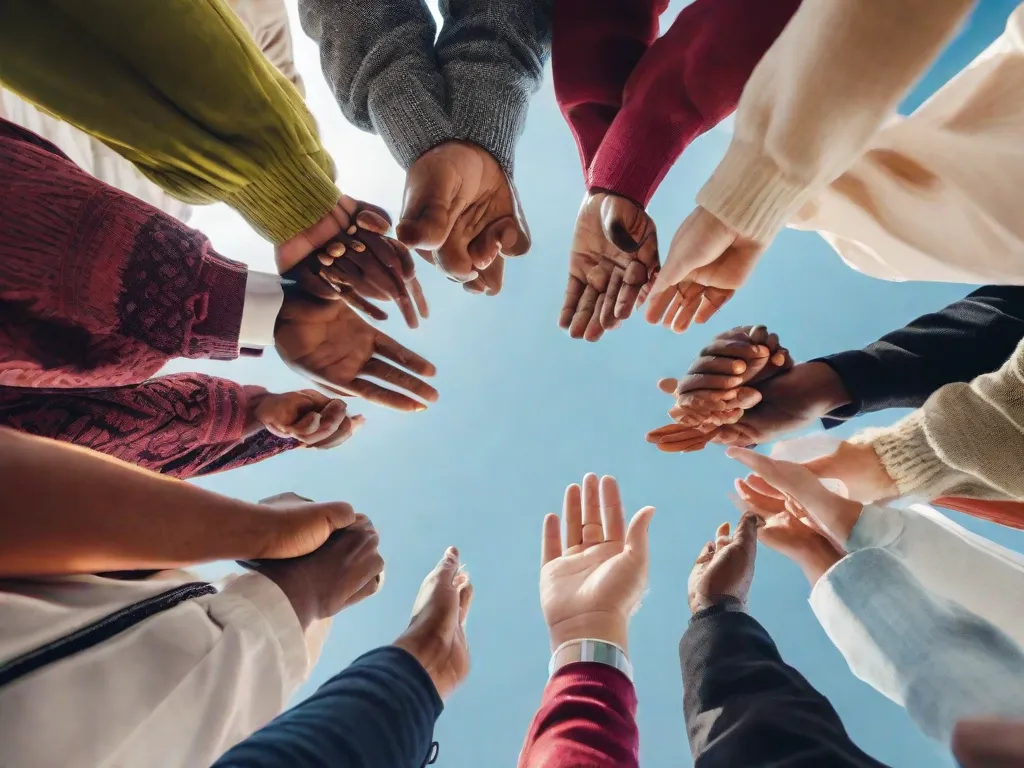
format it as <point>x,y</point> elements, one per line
<point>614,254</point>
<point>707,262</point>
<point>591,585</point>
<point>462,212</point>
<point>331,345</point>
<point>436,635</point>
<point>725,566</point>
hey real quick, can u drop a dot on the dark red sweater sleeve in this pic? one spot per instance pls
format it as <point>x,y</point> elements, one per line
<point>595,44</point>
<point>687,82</point>
<point>98,288</point>
<point>181,425</point>
<point>586,720</point>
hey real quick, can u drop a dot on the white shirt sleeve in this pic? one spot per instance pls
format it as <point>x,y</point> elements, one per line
<point>264,296</point>
<point>180,688</point>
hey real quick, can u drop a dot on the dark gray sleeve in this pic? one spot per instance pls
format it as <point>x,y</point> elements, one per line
<point>492,54</point>
<point>378,58</point>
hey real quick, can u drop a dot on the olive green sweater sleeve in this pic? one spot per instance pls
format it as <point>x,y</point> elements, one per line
<point>180,89</point>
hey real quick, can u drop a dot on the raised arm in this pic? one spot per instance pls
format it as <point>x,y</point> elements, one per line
<point>184,93</point>
<point>595,45</point>
<point>688,81</point>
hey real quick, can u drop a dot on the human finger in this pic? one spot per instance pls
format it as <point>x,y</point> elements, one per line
<point>637,535</point>
<point>593,529</point>
<point>417,295</point>
<point>722,535</point>
<point>724,366</point>
<point>612,516</point>
<point>792,479</point>
<point>573,293</point>
<point>634,279</point>
<point>609,317</point>
<point>712,300</point>
<point>392,350</point>
<point>583,313</point>
<point>374,393</point>
<point>707,554</point>
<point>668,385</point>
<point>551,539</point>
<point>659,302</point>
<point>345,430</point>
<point>379,369</point>
<point>759,501</point>
<point>465,601</point>
<point>735,348</point>
<point>595,330</point>
<point>572,511</point>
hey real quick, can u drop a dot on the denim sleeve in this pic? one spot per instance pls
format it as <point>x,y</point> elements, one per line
<point>929,654</point>
<point>378,712</point>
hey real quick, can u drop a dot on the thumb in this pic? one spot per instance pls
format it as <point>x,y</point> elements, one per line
<point>637,533</point>
<point>448,566</point>
<point>337,513</point>
<point>428,214</point>
<point>623,223</point>
<point>746,533</point>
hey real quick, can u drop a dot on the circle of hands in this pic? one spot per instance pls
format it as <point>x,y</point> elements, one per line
<point>461,213</point>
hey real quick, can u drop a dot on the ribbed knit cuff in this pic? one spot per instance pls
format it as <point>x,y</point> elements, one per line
<point>409,123</point>
<point>286,198</point>
<point>214,334</point>
<point>750,193</point>
<point>492,114</point>
<point>638,151</point>
<point>907,456</point>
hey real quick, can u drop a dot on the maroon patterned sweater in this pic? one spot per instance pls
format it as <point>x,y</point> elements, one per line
<point>98,290</point>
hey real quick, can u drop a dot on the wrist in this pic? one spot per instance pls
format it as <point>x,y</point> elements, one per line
<point>608,627</point>
<point>701,602</point>
<point>427,660</point>
<point>816,560</point>
<point>254,397</point>
<point>824,387</point>
<point>295,587</point>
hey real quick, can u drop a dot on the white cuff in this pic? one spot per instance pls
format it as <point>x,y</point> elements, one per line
<point>263,299</point>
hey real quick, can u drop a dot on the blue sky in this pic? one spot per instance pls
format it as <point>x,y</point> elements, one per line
<point>524,411</point>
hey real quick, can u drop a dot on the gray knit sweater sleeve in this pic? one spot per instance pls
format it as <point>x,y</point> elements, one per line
<point>492,54</point>
<point>378,58</point>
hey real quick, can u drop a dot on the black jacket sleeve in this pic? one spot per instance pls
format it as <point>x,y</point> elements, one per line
<point>377,713</point>
<point>745,707</point>
<point>902,369</point>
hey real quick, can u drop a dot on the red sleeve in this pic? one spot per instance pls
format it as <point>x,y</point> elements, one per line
<point>594,46</point>
<point>687,82</point>
<point>181,425</point>
<point>586,720</point>
<point>98,288</point>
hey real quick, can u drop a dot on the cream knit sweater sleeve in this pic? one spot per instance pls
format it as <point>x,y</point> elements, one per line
<point>832,78</point>
<point>966,440</point>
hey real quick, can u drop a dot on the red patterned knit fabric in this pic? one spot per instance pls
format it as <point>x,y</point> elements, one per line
<point>98,288</point>
<point>97,291</point>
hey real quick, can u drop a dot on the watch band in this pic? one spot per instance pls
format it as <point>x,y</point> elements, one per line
<point>587,649</point>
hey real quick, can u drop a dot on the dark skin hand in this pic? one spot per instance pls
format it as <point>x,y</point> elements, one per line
<point>461,212</point>
<point>725,567</point>
<point>613,256</point>
<point>361,263</point>
<point>330,344</point>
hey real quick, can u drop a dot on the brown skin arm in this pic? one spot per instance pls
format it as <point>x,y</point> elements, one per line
<point>69,510</point>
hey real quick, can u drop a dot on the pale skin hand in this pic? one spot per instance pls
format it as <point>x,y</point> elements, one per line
<point>858,467</point>
<point>591,584</point>
<point>803,494</point>
<point>793,536</point>
<point>462,212</point>
<point>308,416</point>
<point>436,635</point>
<point>331,345</point>
<point>614,254</point>
<point>706,263</point>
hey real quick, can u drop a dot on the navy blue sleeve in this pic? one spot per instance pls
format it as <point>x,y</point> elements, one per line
<point>745,706</point>
<point>902,369</point>
<point>377,713</point>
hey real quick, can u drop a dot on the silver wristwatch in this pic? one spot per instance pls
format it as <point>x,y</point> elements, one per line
<point>587,649</point>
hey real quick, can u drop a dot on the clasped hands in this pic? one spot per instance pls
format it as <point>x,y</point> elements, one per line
<point>614,267</point>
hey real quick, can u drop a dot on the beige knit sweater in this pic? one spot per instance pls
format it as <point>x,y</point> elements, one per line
<point>830,81</point>
<point>966,440</point>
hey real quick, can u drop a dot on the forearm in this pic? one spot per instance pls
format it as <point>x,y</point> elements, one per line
<point>380,711</point>
<point>964,441</point>
<point>98,288</point>
<point>492,55</point>
<point>833,77</point>
<point>686,83</point>
<point>220,126</point>
<point>587,720</point>
<point>595,47</point>
<point>70,510</point>
<point>378,58</point>
<point>957,665</point>
<point>964,340</point>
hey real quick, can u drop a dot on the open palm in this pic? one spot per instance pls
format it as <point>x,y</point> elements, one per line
<point>595,583</point>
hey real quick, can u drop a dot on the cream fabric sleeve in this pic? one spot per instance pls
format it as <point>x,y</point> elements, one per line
<point>830,81</point>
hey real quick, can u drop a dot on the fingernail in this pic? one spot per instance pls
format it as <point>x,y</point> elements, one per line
<point>420,407</point>
<point>358,247</point>
<point>451,555</point>
<point>352,229</point>
<point>357,421</point>
<point>325,259</point>
<point>337,250</point>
